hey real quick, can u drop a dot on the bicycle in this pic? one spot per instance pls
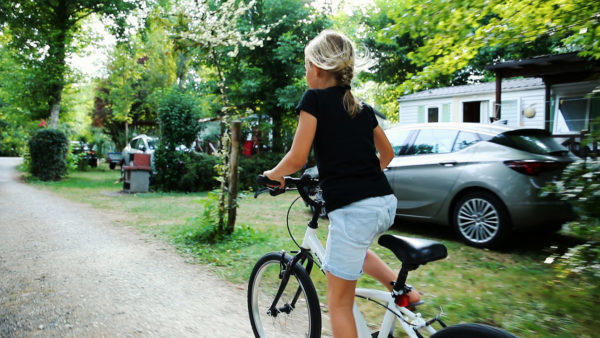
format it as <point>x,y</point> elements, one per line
<point>283,302</point>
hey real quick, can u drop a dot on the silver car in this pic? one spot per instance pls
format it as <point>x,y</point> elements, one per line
<point>141,144</point>
<point>483,180</point>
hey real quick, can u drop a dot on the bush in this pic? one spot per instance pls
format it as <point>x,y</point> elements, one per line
<point>580,185</point>
<point>200,173</point>
<point>179,126</point>
<point>252,166</point>
<point>48,149</point>
<point>13,139</point>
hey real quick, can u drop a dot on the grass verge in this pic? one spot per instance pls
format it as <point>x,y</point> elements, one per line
<point>512,289</point>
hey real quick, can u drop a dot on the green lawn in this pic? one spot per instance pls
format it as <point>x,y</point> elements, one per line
<point>512,289</point>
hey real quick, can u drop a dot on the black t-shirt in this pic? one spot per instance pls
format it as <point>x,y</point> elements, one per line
<point>349,169</point>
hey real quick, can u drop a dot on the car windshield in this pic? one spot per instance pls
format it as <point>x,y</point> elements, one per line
<point>535,141</point>
<point>152,142</point>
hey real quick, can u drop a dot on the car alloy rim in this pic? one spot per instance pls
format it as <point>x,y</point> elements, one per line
<point>478,220</point>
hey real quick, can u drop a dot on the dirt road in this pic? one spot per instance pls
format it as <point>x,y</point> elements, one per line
<point>69,270</point>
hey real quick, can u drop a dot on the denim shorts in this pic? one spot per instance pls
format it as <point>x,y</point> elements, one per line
<point>352,229</point>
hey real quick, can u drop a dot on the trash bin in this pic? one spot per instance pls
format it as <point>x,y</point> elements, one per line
<point>137,176</point>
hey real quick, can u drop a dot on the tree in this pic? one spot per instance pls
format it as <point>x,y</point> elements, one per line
<point>210,29</point>
<point>141,68</point>
<point>455,33</point>
<point>42,33</point>
<point>271,76</point>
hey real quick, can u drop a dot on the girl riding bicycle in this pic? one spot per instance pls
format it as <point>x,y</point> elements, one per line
<point>359,199</point>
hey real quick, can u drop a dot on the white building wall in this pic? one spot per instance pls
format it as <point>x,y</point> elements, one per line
<point>408,113</point>
<point>534,102</point>
<point>514,103</point>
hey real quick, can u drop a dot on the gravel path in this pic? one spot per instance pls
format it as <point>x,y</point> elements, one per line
<point>67,269</point>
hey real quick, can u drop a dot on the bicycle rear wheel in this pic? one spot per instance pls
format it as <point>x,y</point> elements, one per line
<point>298,315</point>
<point>472,331</point>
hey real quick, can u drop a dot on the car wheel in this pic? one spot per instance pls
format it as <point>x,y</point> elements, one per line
<point>481,220</point>
<point>112,165</point>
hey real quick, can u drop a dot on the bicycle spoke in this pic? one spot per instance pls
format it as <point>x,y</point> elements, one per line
<point>292,317</point>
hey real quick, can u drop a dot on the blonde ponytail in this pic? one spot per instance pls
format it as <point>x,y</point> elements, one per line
<point>334,52</point>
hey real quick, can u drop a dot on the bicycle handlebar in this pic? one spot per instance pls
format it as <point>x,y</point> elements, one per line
<point>304,184</point>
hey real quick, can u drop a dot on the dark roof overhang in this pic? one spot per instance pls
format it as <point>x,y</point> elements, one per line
<point>559,68</point>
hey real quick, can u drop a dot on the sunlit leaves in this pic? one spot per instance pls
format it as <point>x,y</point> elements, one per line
<point>454,32</point>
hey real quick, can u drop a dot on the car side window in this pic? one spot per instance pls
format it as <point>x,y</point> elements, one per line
<point>398,140</point>
<point>433,141</point>
<point>139,144</point>
<point>152,144</point>
<point>464,140</point>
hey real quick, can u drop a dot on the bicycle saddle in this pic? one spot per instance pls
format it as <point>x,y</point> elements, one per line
<point>413,251</point>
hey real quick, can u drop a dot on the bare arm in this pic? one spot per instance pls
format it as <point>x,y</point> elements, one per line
<point>298,154</point>
<point>383,146</point>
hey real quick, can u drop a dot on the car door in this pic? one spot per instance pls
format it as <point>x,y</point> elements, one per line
<point>422,176</point>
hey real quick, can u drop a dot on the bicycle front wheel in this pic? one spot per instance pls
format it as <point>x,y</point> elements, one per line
<point>297,312</point>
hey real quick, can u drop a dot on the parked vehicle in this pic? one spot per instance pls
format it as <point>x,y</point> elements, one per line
<point>114,158</point>
<point>84,153</point>
<point>484,180</point>
<point>141,144</point>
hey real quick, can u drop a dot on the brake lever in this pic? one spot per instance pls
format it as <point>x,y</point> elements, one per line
<point>272,191</point>
<point>276,191</point>
<point>261,191</point>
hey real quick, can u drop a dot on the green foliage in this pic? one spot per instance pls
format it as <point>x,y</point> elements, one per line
<point>580,185</point>
<point>178,119</point>
<point>42,35</point>
<point>141,68</point>
<point>254,165</point>
<point>450,39</point>
<point>199,173</point>
<point>100,143</point>
<point>204,229</point>
<point>176,169</point>
<point>269,79</point>
<point>201,236</point>
<point>13,139</point>
<point>48,149</point>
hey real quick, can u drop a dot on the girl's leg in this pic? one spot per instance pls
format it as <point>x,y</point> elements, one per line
<point>376,268</point>
<point>340,298</point>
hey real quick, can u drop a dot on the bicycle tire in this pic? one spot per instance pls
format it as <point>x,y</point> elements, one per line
<point>304,320</point>
<point>471,330</point>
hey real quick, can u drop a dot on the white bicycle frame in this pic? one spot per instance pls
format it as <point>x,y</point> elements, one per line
<point>409,320</point>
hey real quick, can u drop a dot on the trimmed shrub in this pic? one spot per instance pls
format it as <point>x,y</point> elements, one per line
<point>200,173</point>
<point>48,149</point>
<point>179,126</point>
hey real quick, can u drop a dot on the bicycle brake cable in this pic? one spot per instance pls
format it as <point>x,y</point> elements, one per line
<point>287,221</point>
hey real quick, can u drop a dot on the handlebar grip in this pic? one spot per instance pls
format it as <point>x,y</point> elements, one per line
<point>264,180</point>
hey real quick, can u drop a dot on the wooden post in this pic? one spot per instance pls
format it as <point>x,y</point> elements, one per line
<point>547,105</point>
<point>234,158</point>
<point>498,105</point>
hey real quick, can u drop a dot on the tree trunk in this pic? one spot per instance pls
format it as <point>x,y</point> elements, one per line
<point>223,175</point>
<point>57,64</point>
<point>234,157</point>
<point>55,108</point>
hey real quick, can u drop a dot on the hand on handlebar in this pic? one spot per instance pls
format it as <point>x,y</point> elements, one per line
<point>280,179</point>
